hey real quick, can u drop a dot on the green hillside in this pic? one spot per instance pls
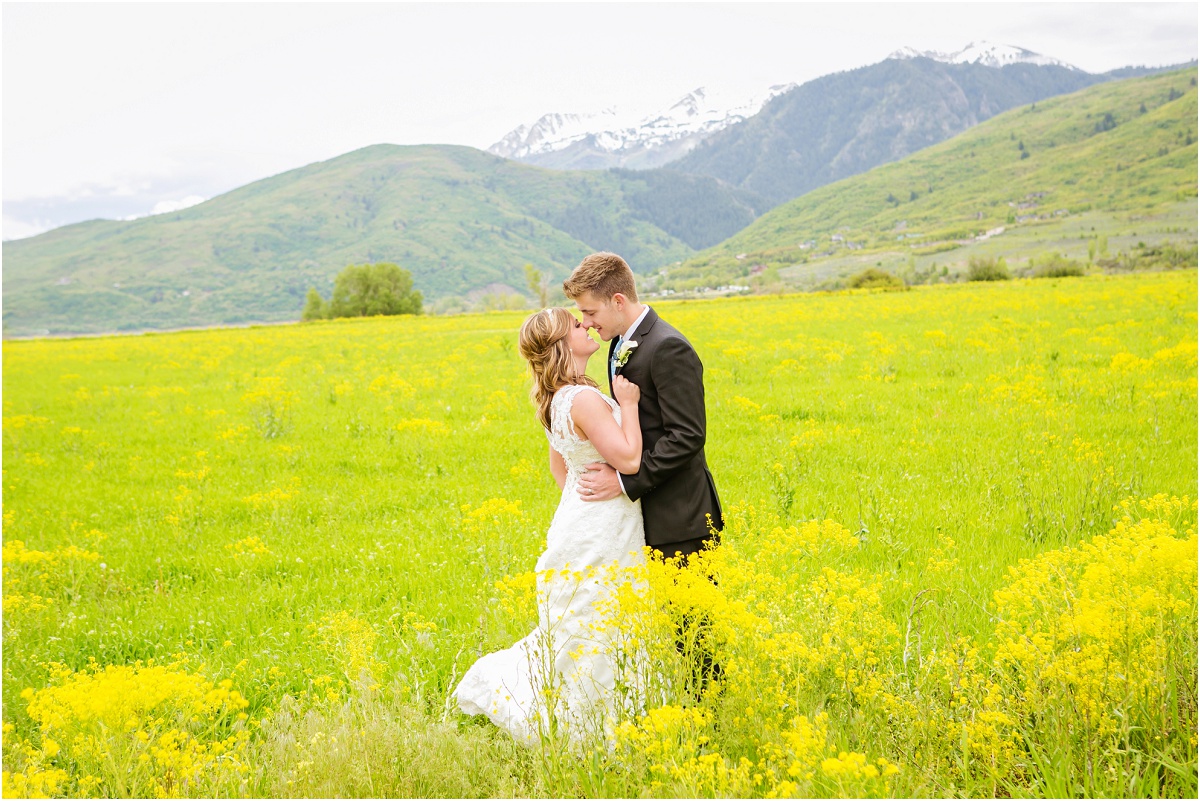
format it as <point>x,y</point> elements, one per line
<point>1122,147</point>
<point>457,218</point>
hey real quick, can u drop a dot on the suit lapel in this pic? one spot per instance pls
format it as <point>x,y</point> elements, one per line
<point>638,335</point>
<point>647,323</point>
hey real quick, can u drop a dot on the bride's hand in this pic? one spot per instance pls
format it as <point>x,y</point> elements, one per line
<point>625,390</point>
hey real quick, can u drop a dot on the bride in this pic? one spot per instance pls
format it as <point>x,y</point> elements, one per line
<point>560,678</point>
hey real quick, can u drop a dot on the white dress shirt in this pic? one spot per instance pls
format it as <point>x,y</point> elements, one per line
<point>625,338</point>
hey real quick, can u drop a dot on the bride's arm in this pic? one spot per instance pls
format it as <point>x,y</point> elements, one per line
<point>558,468</point>
<point>621,446</point>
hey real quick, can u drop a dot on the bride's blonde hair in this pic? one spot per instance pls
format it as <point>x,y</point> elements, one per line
<point>543,343</point>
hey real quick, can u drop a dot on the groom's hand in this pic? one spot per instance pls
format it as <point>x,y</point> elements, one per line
<point>599,483</point>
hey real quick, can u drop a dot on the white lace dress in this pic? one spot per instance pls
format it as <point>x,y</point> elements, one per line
<point>560,677</point>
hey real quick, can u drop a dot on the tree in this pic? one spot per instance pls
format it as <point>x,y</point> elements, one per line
<point>539,284</point>
<point>315,307</point>
<point>362,290</point>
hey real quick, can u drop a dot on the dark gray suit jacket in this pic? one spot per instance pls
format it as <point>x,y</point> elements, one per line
<point>673,483</point>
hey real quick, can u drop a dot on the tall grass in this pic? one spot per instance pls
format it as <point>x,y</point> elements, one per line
<point>337,519</point>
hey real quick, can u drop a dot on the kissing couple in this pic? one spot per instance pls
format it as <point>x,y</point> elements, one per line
<point>632,473</point>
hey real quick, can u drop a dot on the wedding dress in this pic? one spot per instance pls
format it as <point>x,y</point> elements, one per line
<point>561,677</point>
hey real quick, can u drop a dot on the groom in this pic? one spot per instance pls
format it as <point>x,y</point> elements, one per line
<point>677,492</point>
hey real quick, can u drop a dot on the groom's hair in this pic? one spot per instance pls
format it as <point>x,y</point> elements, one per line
<point>604,275</point>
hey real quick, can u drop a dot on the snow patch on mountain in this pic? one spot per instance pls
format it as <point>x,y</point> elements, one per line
<point>697,115</point>
<point>985,53</point>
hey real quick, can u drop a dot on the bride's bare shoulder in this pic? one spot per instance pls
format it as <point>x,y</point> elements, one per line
<point>588,397</point>
<point>588,406</point>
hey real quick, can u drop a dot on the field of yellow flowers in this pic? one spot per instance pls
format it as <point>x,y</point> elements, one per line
<point>960,555</point>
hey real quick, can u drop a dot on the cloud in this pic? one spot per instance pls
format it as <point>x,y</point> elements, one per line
<point>164,206</point>
<point>23,229</point>
<point>168,206</point>
<point>115,201</point>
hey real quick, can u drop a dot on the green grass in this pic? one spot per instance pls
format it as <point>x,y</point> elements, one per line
<point>1002,416</point>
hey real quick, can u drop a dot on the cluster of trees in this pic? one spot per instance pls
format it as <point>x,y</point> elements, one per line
<point>365,290</point>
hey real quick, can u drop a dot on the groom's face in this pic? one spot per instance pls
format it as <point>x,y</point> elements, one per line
<point>604,315</point>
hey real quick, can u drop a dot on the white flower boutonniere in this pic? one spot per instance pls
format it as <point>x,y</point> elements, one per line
<point>623,352</point>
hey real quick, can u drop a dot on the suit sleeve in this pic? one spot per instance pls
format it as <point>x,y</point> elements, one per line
<point>679,380</point>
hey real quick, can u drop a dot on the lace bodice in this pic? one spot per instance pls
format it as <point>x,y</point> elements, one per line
<point>575,452</point>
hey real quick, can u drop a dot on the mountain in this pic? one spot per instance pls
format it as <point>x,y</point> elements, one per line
<point>844,124</point>
<point>986,54</point>
<point>613,139</point>
<point>1126,146</point>
<point>457,218</point>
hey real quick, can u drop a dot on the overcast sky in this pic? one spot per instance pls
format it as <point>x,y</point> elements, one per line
<point>116,110</point>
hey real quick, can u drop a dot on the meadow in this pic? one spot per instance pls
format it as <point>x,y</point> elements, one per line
<point>960,553</point>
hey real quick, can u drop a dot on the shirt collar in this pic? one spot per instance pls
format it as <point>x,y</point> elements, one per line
<point>633,328</point>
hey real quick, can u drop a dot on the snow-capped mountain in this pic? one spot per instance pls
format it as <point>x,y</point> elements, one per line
<point>612,138</point>
<point>986,53</point>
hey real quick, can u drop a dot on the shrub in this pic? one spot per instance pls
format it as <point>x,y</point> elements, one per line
<point>987,269</point>
<point>873,278</point>
<point>1055,265</point>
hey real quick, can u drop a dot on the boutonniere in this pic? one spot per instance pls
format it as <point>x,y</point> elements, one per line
<point>623,352</point>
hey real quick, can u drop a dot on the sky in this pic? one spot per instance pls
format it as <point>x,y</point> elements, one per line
<point>123,110</point>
